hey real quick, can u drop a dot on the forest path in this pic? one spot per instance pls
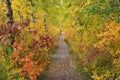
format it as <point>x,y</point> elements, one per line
<point>62,67</point>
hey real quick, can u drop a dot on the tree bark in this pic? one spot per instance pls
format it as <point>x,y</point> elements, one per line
<point>118,3</point>
<point>10,19</point>
<point>33,18</point>
<point>32,15</point>
<point>19,15</point>
<point>45,25</point>
<point>9,11</point>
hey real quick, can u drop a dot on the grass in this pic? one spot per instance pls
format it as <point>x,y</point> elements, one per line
<point>80,68</point>
<point>43,75</point>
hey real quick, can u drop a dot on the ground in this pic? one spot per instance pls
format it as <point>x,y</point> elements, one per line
<point>62,66</point>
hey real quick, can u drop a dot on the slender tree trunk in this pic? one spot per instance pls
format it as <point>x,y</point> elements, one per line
<point>32,15</point>
<point>9,11</point>
<point>45,25</point>
<point>33,19</point>
<point>118,3</point>
<point>10,19</point>
<point>19,15</point>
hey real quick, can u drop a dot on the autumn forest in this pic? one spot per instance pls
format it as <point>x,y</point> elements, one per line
<point>59,39</point>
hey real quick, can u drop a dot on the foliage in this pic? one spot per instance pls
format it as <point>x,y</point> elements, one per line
<point>29,54</point>
<point>25,46</point>
<point>95,37</point>
<point>92,29</point>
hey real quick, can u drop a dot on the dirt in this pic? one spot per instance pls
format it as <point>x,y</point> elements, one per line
<point>62,67</point>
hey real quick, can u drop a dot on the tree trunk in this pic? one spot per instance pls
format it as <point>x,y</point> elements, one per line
<point>118,3</point>
<point>10,19</point>
<point>9,12</point>
<point>33,19</point>
<point>32,15</point>
<point>19,15</point>
<point>45,25</point>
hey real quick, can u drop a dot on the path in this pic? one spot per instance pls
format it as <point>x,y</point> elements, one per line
<point>62,67</point>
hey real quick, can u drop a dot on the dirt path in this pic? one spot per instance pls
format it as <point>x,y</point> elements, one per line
<point>62,67</point>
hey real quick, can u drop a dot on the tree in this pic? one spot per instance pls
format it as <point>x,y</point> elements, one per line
<point>32,14</point>
<point>9,11</point>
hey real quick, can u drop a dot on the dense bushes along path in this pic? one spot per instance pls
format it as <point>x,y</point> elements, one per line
<point>62,67</point>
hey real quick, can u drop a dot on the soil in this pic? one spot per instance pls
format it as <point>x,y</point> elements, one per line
<point>62,66</point>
